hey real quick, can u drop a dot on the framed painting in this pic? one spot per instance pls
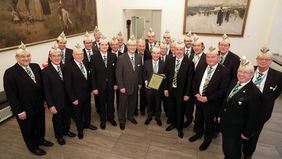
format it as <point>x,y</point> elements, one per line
<point>216,17</point>
<point>37,21</point>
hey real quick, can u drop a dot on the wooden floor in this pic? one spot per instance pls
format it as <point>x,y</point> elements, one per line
<point>140,142</point>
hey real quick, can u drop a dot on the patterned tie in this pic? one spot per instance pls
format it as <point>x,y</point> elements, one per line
<point>151,47</point>
<point>30,74</point>
<point>207,79</point>
<point>59,70</point>
<point>234,91</point>
<point>259,79</point>
<point>196,59</point>
<point>82,69</point>
<point>162,59</point>
<point>155,67</point>
<point>221,60</point>
<point>187,52</point>
<point>63,56</point>
<point>174,80</point>
<point>89,54</point>
<point>105,60</point>
<point>132,61</point>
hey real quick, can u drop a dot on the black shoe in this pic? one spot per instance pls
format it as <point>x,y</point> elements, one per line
<point>80,134</point>
<point>147,122</point>
<point>205,144</point>
<point>167,121</point>
<point>159,122</point>
<point>61,141</point>
<point>169,128</point>
<point>38,152</point>
<point>180,134</point>
<point>122,126</point>
<point>103,125</point>
<point>113,122</point>
<point>187,123</point>
<point>70,134</point>
<point>247,157</point>
<point>45,143</point>
<point>195,137</point>
<point>142,113</point>
<point>92,127</point>
<point>215,134</point>
<point>133,121</point>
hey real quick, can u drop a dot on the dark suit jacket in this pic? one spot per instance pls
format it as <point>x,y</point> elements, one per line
<point>147,53</point>
<point>217,87</point>
<point>85,60</point>
<point>102,77</point>
<point>76,85</point>
<point>232,62</point>
<point>54,88</point>
<point>22,93</point>
<point>95,47</point>
<point>148,69</point>
<point>271,91</point>
<point>240,113</point>
<point>184,76</point>
<point>125,75</point>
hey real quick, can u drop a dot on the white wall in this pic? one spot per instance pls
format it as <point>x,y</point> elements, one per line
<point>263,27</point>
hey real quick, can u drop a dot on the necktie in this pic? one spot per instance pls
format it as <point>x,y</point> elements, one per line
<point>187,51</point>
<point>151,47</point>
<point>196,59</point>
<point>82,70</point>
<point>155,67</point>
<point>259,79</point>
<point>63,56</point>
<point>59,70</point>
<point>89,55</point>
<point>105,60</point>
<point>162,58</point>
<point>30,74</point>
<point>174,80</point>
<point>207,79</point>
<point>132,61</point>
<point>234,91</point>
<point>221,60</point>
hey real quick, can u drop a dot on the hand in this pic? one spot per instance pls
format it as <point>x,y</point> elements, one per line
<point>218,120</point>
<point>139,86</point>
<point>75,102</point>
<point>146,84</point>
<point>22,115</point>
<point>115,87</point>
<point>166,93</point>
<point>204,99</point>
<point>45,104</point>
<point>244,137</point>
<point>95,92</point>
<point>53,110</point>
<point>122,90</point>
<point>186,98</point>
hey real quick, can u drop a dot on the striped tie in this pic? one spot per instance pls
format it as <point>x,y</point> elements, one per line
<point>105,60</point>
<point>82,70</point>
<point>63,56</point>
<point>207,79</point>
<point>132,62</point>
<point>234,91</point>
<point>59,70</point>
<point>259,79</point>
<point>30,74</point>
<point>174,80</point>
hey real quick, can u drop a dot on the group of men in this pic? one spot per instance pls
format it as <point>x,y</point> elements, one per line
<point>230,95</point>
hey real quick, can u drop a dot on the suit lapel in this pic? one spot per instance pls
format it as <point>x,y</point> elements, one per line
<point>55,73</point>
<point>268,80</point>
<point>24,74</point>
<point>129,61</point>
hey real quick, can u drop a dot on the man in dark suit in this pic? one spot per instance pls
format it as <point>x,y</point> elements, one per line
<point>77,83</point>
<point>97,35</point>
<point>269,82</point>
<point>88,52</point>
<point>151,37</point>
<point>66,52</point>
<point>167,39</point>
<point>153,96</point>
<point>128,76</point>
<point>188,41</point>
<point>228,58</point>
<point>103,66</point>
<point>24,90</point>
<point>122,46</point>
<point>239,113</point>
<point>177,87</point>
<point>209,87</point>
<point>55,96</point>
<point>142,97</point>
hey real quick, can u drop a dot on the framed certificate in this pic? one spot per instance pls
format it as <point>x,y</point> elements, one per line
<point>156,81</point>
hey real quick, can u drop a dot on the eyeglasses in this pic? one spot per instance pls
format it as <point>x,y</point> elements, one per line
<point>264,59</point>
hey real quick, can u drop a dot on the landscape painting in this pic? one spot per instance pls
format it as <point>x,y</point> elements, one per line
<point>36,21</point>
<point>216,17</point>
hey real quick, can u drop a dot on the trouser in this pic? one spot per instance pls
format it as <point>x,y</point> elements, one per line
<point>231,146</point>
<point>127,102</point>
<point>106,102</point>
<point>176,109</point>
<point>154,103</point>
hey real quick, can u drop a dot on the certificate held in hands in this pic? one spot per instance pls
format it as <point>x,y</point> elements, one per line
<point>156,81</point>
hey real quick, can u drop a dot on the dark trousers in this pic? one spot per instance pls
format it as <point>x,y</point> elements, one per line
<point>87,112</point>
<point>231,147</point>
<point>189,109</point>
<point>106,103</point>
<point>33,129</point>
<point>61,122</point>
<point>249,146</point>
<point>117,98</point>
<point>142,100</point>
<point>204,119</point>
<point>165,104</point>
<point>82,114</point>
<point>176,109</point>
<point>153,103</point>
<point>127,102</point>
